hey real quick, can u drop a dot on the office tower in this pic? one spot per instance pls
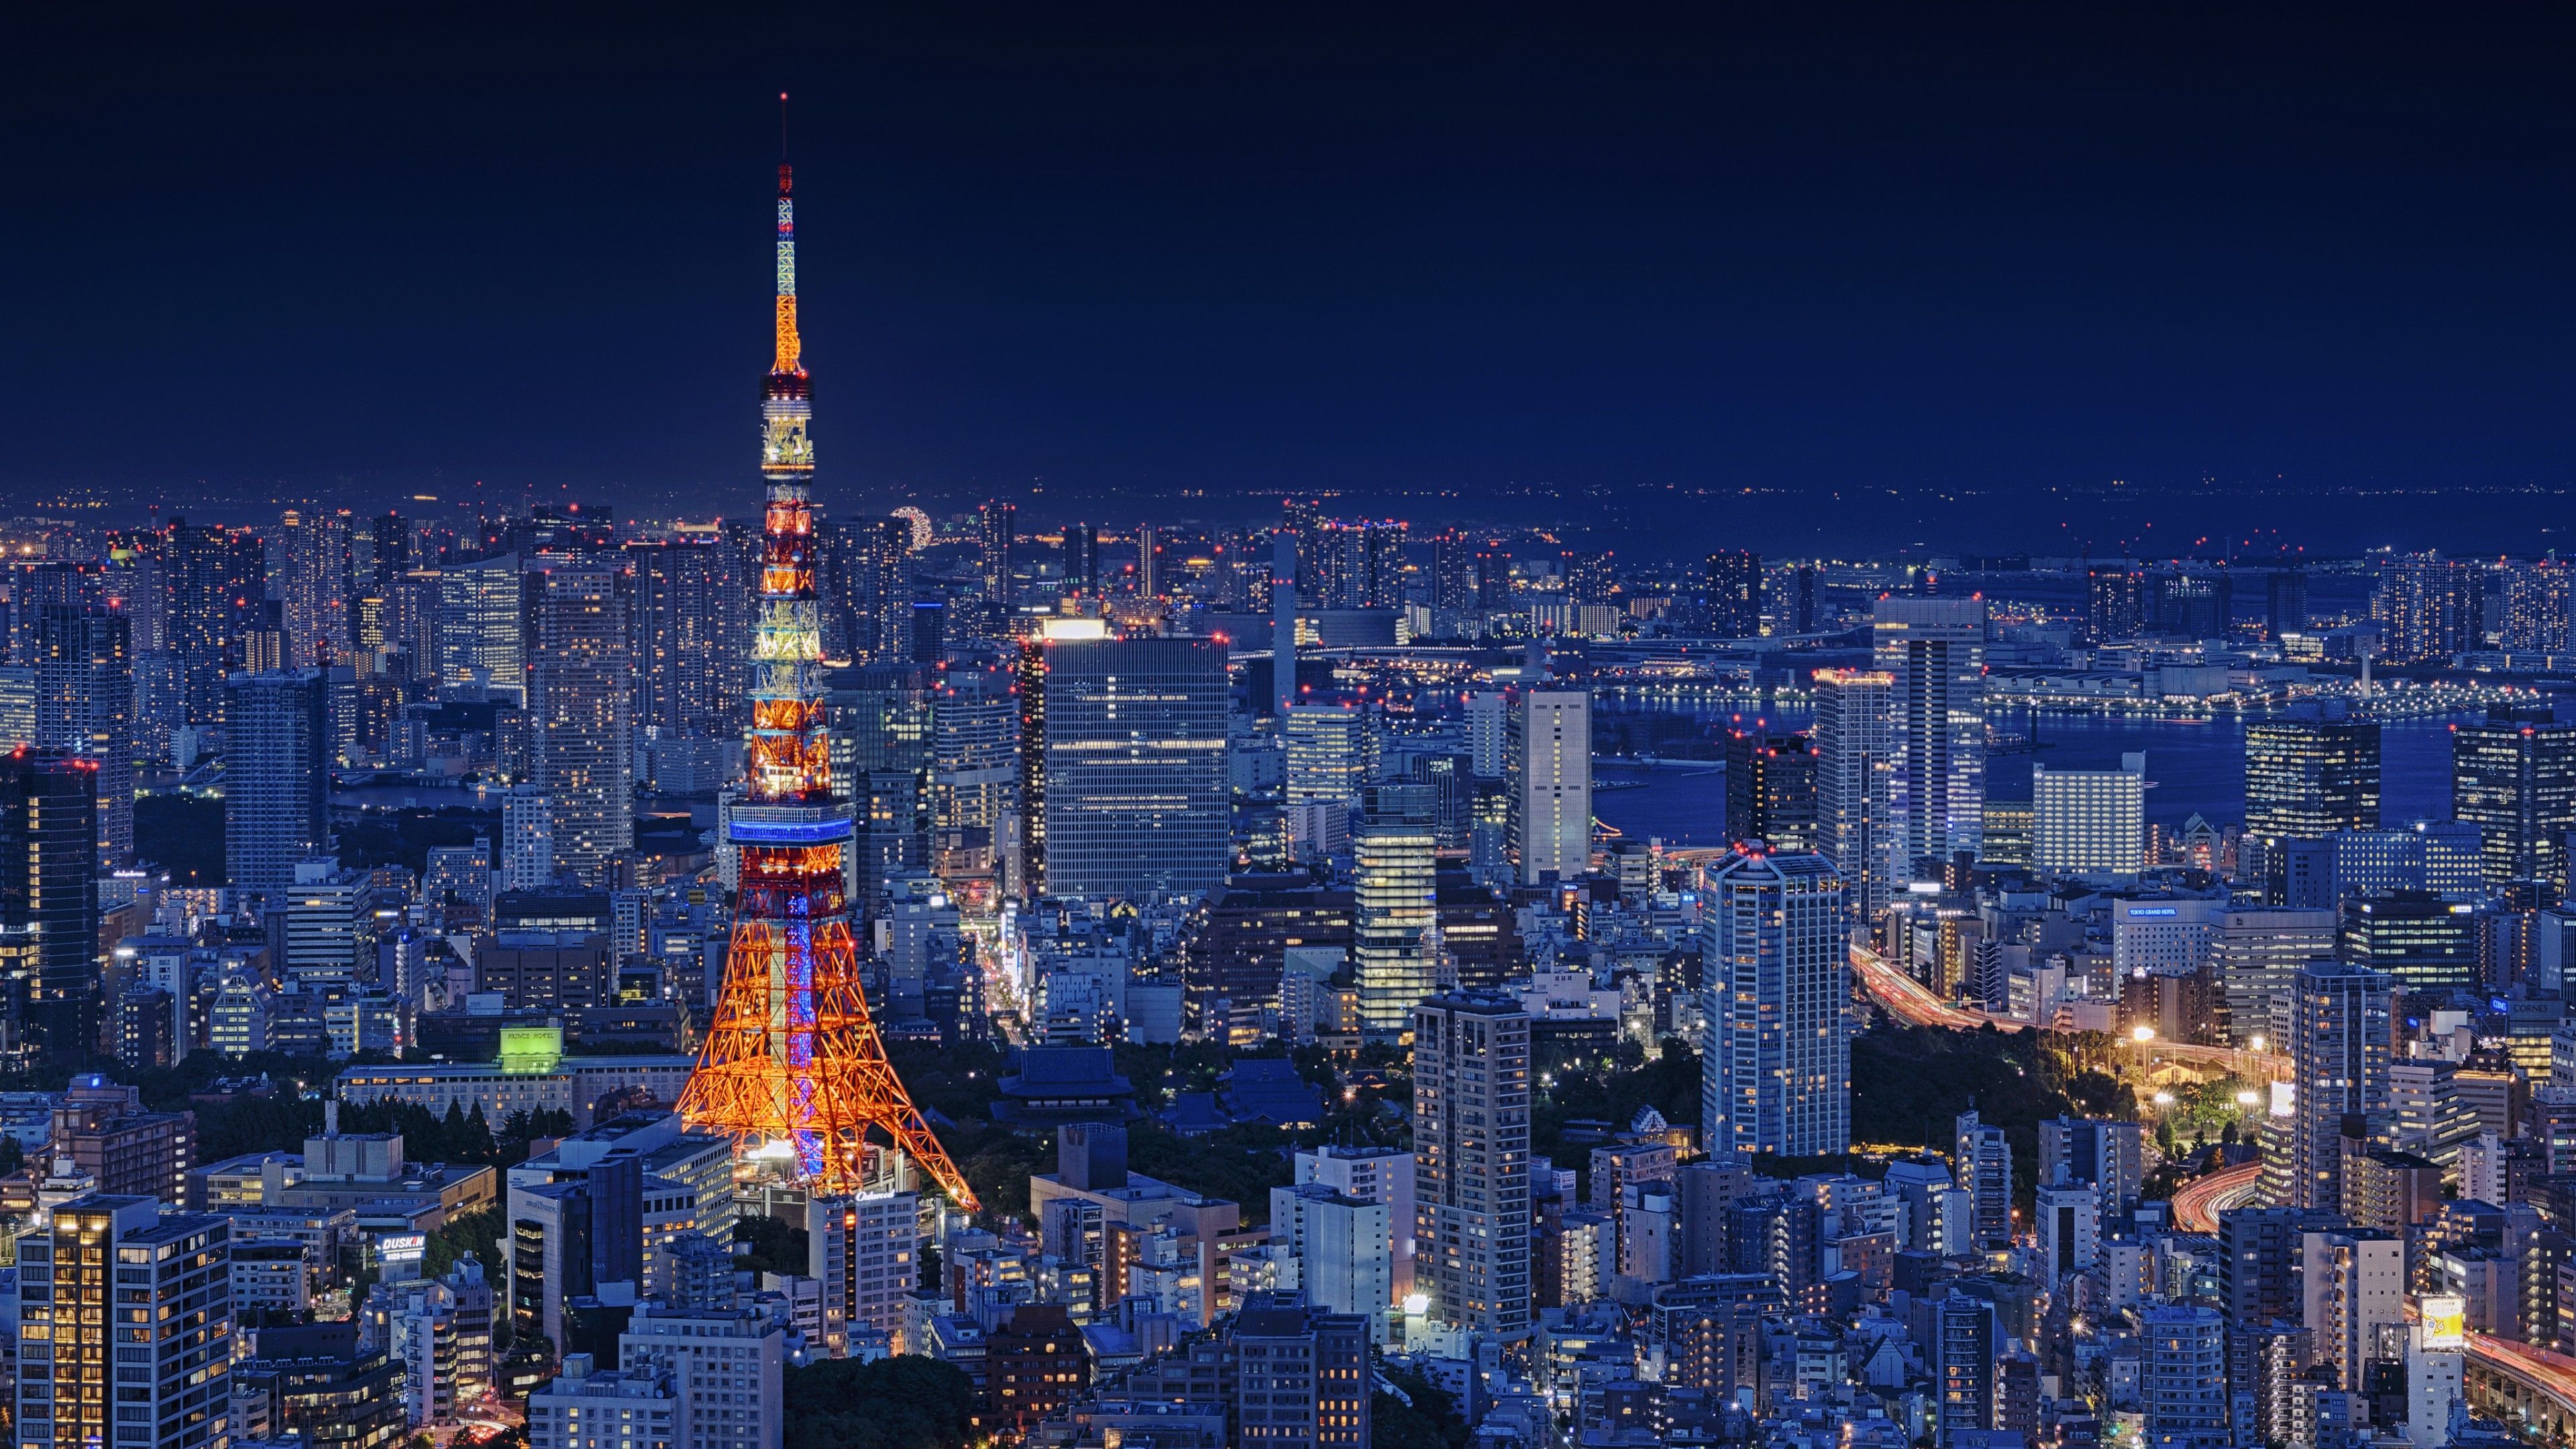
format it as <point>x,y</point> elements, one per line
<point>1981,1161</point>
<point>684,663</point>
<point>2428,609</point>
<point>1394,865</point>
<point>1487,716</point>
<point>2339,1049</point>
<point>314,548</point>
<point>85,705</point>
<point>480,636</point>
<point>49,872</point>
<point>163,1386</point>
<point>878,719</point>
<point>1453,571</point>
<point>1852,763</point>
<point>1451,779</point>
<point>2081,1149</point>
<point>277,777</point>
<point>1150,581</point>
<point>727,1371</point>
<point>2256,956</point>
<point>1936,787</point>
<point>1330,755</point>
<point>585,1406</point>
<point>1303,1376</point>
<point>2184,1378</point>
<point>580,712</point>
<point>2285,603</point>
<point>2114,601</point>
<point>2352,1285</point>
<point>1731,592</point>
<point>2196,606</point>
<point>1964,1348</point>
<point>996,532</point>
<point>1775,1068</point>
<point>974,751</point>
<point>217,581</point>
<point>2514,777</point>
<point>1806,610</point>
<point>2090,822</point>
<point>1771,789</point>
<point>864,1251</point>
<point>1284,587</point>
<point>2427,944</point>
<point>1471,1118</point>
<point>1547,758</point>
<point>2306,778</point>
<point>1135,778</point>
<point>1082,558</point>
<point>1380,1175</point>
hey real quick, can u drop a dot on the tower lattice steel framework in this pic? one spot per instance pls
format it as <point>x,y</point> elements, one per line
<point>793,1055</point>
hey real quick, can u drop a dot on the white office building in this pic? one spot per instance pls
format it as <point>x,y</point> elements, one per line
<point>2090,822</point>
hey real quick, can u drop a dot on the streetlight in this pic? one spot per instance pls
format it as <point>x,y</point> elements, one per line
<point>2143,1035</point>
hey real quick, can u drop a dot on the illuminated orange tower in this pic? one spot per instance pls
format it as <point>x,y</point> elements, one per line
<point>793,1058</point>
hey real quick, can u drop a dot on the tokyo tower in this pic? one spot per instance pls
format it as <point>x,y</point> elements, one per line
<point>793,1059</point>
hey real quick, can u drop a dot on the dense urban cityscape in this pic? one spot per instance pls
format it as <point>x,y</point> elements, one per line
<point>508,968</point>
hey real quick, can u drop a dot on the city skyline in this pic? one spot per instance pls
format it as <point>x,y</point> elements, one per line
<point>1859,278</point>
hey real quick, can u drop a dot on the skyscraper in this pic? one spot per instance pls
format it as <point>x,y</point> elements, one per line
<point>1771,788</point>
<point>1471,1119</point>
<point>686,672</point>
<point>2339,1046</point>
<point>85,704</point>
<point>1731,586</point>
<point>2185,1379</point>
<point>1082,558</point>
<point>2428,608</point>
<point>277,777</point>
<point>2514,777</point>
<point>2257,957</point>
<point>49,872</point>
<point>1981,1159</point>
<point>1851,734</point>
<point>1395,867</point>
<point>2114,601</point>
<point>1936,789</point>
<point>1136,793</point>
<point>313,549</point>
<point>2308,777</point>
<point>2090,822</point>
<point>1775,1067</point>
<point>2285,603</point>
<point>217,584</point>
<point>479,629</point>
<point>997,527</point>
<point>1330,755</point>
<point>580,717</point>
<point>1548,761</point>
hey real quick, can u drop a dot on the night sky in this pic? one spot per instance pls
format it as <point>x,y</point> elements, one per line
<point>1916,275</point>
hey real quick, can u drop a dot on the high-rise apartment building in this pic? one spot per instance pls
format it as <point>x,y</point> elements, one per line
<point>1936,788</point>
<point>581,718</point>
<point>2429,608</point>
<point>2115,601</point>
<point>2339,1049</point>
<point>1136,795</point>
<point>1852,762</point>
<point>997,527</point>
<point>1395,866</point>
<point>125,1323</point>
<point>2540,603</point>
<point>1302,1372</point>
<point>49,872</point>
<point>2083,1149</point>
<point>2285,603</point>
<point>1775,1068</point>
<point>728,1371</point>
<point>1375,1175</point>
<point>2352,1288</point>
<point>1981,1163</point>
<point>687,665</point>
<point>1964,1349</point>
<point>1548,762</point>
<point>1471,1119</point>
<point>312,549</point>
<point>218,585</point>
<point>2513,776</point>
<point>277,777</point>
<point>2184,1378</point>
<point>85,705</point>
<point>2090,822</point>
<point>1731,593</point>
